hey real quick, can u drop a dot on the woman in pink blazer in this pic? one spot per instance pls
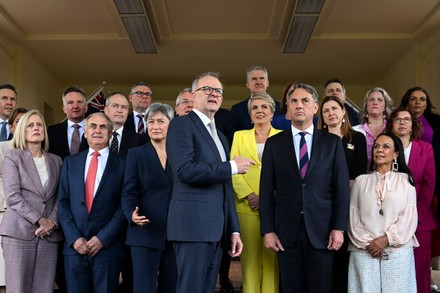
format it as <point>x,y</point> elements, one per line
<point>29,226</point>
<point>420,159</point>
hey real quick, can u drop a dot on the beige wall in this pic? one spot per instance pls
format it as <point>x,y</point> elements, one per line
<point>39,89</point>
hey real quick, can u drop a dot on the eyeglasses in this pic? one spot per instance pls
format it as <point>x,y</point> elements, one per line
<point>405,120</point>
<point>209,90</point>
<point>140,94</point>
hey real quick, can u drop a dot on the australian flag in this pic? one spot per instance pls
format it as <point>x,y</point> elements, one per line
<point>96,101</point>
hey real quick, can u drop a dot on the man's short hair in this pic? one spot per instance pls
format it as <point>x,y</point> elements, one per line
<point>308,88</point>
<point>73,89</point>
<point>185,90</point>
<point>109,122</point>
<point>140,83</point>
<point>107,100</point>
<point>9,87</point>
<point>256,67</point>
<point>333,80</point>
<point>202,75</point>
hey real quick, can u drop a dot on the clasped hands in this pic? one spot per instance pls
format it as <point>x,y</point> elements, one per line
<point>91,247</point>
<point>377,246</point>
<point>46,227</point>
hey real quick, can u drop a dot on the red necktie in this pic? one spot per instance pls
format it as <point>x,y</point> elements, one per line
<point>90,181</point>
<point>141,129</point>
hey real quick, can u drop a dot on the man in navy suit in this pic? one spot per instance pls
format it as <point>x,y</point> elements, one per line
<point>304,197</point>
<point>257,81</point>
<point>140,98</point>
<point>60,135</point>
<point>202,209</point>
<point>93,226</point>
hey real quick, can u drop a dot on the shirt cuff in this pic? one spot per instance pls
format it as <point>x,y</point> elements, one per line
<point>234,168</point>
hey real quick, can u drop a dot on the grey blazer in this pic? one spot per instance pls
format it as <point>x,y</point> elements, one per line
<point>26,199</point>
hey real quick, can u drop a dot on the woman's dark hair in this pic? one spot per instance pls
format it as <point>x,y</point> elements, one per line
<point>430,113</point>
<point>416,129</point>
<point>346,129</point>
<point>398,147</point>
<point>283,106</point>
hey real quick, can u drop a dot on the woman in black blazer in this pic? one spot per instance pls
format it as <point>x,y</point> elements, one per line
<point>334,119</point>
<point>148,185</point>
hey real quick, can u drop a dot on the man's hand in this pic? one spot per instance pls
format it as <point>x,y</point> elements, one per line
<point>236,245</point>
<point>254,201</point>
<point>377,246</point>
<point>272,242</point>
<point>80,245</point>
<point>335,240</point>
<point>94,245</point>
<point>139,220</point>
<point>243,164</point>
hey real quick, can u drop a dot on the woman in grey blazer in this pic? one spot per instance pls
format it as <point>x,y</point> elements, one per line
<point>29,226</point>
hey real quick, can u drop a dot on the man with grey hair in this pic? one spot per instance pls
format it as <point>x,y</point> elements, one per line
<point>184,102</point>
<point>304,197</point>
<point>90,212</point>
<point>257,81</point>
<point>202,219</point>
<point>65,137</point>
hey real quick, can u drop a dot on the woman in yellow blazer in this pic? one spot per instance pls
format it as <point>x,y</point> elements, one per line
<point>258,264</point>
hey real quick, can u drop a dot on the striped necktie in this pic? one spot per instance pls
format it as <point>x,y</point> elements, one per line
<point>303,155</point>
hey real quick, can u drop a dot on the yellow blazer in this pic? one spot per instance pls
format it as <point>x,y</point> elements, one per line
<point>244,145</point>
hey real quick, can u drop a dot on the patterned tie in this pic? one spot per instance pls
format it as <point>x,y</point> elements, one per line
<point>141,129</point>
<point>3,132</point>
<point>74,143</point>
<point>90,180</point>
<point>303,155</point>
<point>114,146</point>
<point>217,141</point>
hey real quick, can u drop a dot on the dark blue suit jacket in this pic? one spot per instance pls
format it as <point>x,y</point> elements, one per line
<point>148,186</point>
<point>202,207</point>
<point>106,220</point>
<point>323,194</point>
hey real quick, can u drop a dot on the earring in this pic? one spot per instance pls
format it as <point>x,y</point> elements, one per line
<point>343,120</point>
<point>384,116</point>
<point>325,126</point>
<point>366,115</point>
<point>395,165</point>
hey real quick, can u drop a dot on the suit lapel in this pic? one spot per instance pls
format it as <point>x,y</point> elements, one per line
<point>107,171</point>
<point>415,153</point>
<point>32,171</point>
<point>251,145</point>
<point>52,171</point>
<point>202,128</point>
<point>290,153</point>
<point>316,141</point>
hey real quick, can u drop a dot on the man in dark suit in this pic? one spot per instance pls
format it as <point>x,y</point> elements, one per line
<point>202,209</point>
<point>257,81</point>
<point>61,134</point>
<point>140,98</point>
<point>304,197</point>
<point>335,87</point>
<point>90,212</point>
<point>8,102</point>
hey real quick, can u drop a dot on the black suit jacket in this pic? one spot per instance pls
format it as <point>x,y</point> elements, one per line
<point>129,124</point>
<point>224,121</point>
<point>58,140</point>
<point>129,140</point>
<point>323,194</point>
<point>240,112</point>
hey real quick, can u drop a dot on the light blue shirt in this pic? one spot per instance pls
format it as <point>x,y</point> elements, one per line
<point>297,137</point>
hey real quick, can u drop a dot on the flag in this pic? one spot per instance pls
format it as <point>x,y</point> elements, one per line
<point>96,101</point>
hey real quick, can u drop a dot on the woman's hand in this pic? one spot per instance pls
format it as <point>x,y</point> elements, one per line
<point>254,201</point>
<point>46,227</point>
<point>139,220</point>
<point>377,246</point>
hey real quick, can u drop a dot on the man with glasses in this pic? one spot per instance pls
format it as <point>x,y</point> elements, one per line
<point>202,219</point>
<point>140,97</point>
<point>184,102</point>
